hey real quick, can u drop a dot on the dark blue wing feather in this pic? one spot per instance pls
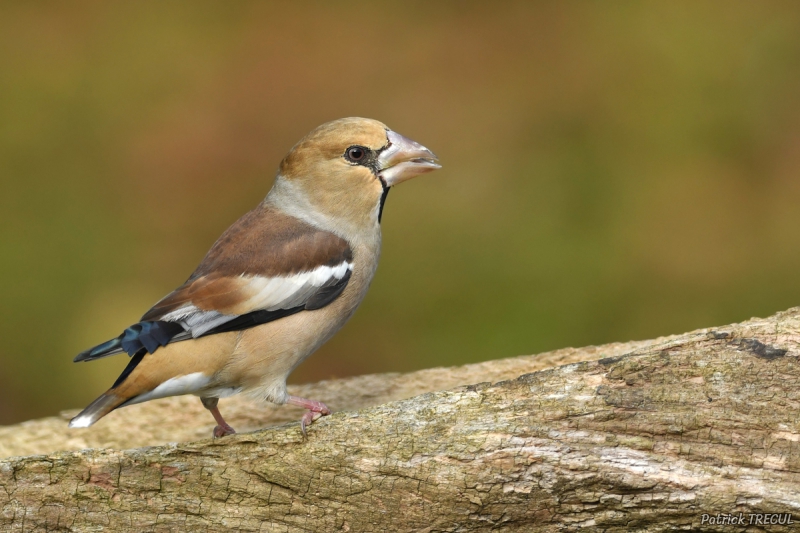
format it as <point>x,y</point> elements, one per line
<point>148,336</point>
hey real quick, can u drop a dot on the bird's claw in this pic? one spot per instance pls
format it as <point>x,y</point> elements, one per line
<point>308,418</point>
<point>315,410</point>
<point>223,431</point>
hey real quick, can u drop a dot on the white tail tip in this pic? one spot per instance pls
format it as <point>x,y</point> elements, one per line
<point>81,422</point>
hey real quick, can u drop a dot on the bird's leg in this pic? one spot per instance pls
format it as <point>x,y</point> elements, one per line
<point>222,428</point>
<point>315,410</point>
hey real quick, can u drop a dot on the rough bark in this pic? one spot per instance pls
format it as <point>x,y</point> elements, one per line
<point>646,436</point>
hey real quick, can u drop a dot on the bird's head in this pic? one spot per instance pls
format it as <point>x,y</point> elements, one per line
<point>343,170</point>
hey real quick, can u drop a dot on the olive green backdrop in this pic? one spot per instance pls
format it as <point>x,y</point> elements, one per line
<point>612,170</point>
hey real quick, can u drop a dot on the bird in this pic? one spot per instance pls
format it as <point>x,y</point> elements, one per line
<point>276,285</point>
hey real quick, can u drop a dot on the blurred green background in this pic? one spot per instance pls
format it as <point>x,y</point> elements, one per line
<point>612,170</point>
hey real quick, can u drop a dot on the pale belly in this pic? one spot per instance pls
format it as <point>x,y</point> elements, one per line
<point>254,361</point>
<point>265,355</point>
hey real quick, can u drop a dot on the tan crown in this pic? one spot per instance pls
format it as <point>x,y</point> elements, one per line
<point>328,142</point>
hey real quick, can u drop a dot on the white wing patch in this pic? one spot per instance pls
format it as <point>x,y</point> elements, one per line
<point>267,294</point>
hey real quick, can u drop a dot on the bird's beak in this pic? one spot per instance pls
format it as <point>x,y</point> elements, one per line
<point>404,159</point>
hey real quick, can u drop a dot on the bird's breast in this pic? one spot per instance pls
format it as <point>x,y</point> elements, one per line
<point>265,355</point>
<point>365,263</point>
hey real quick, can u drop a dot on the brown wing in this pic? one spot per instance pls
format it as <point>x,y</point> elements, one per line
<point>267,261</point>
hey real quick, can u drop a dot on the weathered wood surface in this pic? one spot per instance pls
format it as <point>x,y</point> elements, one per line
<point>649,437</point>
<point>183,419</point>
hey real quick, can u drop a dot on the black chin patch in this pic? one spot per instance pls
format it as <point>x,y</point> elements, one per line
<point>384,194</point>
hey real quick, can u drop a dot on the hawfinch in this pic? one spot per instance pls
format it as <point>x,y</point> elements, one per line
<point>276,285</point>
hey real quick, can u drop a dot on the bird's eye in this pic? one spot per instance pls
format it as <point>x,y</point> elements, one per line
<point>355,154</point>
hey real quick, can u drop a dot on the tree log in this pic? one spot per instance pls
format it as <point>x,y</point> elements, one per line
<point>683,432</point>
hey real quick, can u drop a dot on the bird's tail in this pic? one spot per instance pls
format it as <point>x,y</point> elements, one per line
<point>109,400</point>
<point>96,410</point>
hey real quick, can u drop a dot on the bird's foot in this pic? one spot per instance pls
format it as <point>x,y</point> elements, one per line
<point>223,430</point>
<point>315,410</point>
